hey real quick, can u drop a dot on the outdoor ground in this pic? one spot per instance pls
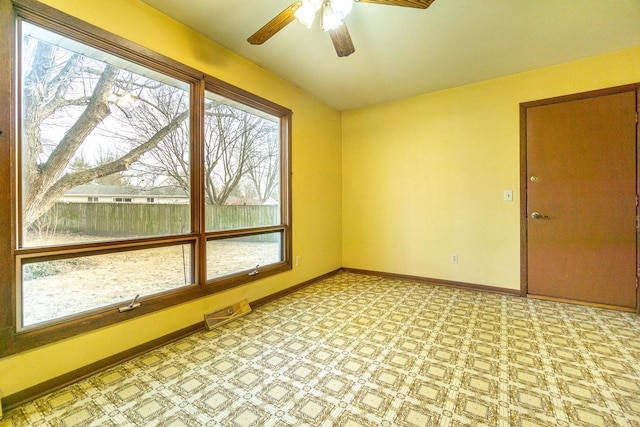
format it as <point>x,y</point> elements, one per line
<point>64,287</point>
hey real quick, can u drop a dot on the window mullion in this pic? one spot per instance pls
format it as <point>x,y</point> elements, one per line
<point>197,179</point>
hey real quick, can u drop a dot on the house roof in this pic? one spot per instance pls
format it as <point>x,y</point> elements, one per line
<point>118,190</point>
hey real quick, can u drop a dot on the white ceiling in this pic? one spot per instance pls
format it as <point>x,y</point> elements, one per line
<point>402,52</point>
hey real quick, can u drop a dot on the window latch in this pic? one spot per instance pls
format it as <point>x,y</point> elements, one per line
<point>132,306</point>
<point>255,271</point>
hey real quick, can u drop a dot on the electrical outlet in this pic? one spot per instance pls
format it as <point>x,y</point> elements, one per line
<point>298,259</point>
<point>454,258</point>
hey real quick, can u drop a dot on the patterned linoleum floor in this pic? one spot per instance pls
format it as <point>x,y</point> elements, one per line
<point>355,350</point>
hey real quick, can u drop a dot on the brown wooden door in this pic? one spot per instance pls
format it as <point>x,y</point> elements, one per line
<point>581,180</point>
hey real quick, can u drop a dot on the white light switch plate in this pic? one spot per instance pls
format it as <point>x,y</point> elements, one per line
<point>508,195</point>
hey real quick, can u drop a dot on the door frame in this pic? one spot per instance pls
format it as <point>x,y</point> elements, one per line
<point>524,218</point>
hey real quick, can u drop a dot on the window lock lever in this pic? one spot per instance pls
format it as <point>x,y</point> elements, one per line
<point>132,306</point>
<point>255,271</point>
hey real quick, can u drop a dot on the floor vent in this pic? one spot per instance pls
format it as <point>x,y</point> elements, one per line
<point>220,317</point>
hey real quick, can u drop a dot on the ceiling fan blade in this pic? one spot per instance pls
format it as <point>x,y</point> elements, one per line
<point>280,21</point>
<point>342,41</point>
<point>419,4</point>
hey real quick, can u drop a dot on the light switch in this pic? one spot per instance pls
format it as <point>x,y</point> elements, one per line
<point>508,195</point>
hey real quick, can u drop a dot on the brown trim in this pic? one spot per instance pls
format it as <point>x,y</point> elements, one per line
<point>292,289</point>
<point>633,87</point>
<point>16,399</point>
<point>243,277</point>
<point>13,400</point>
<point>247,98</point>
<point>7,130</point>
<point>585,303</point>
<point>7,172</point>
<point>286,185</point>
<point>454,284</point>
<point>75,28</point>
<point>637,193</point>
<point>582,95</point>
<point>254,231</point>
<point>199,260</point>
<point>523,202</point>
<point>89,249</point>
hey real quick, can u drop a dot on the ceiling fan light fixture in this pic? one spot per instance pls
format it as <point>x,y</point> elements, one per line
<point>306,13</point>
<point>341,7</point>
<point>333,12</point>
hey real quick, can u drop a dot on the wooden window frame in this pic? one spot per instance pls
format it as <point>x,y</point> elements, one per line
<point>12,341</point>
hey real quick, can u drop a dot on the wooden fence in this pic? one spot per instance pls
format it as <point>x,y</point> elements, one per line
<point>152,219</point>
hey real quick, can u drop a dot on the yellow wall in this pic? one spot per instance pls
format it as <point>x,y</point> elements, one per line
<point>403,187</point>
<point>316,187</point>
<point>423,177</point>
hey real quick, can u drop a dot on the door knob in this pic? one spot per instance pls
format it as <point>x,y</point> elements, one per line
<point>534,178</point>
<point>538,215</point>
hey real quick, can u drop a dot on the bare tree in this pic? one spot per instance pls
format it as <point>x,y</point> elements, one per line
<point>264,171</point>
<point>168,164</point>
<point>238,146</point>
<point>63,87</point>
<point>232,137</point>
<point>72,102</point>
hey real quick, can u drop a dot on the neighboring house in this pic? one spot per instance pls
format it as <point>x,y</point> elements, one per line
<point>122,194</point>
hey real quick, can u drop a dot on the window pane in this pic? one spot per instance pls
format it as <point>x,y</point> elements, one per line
<point>241,167</point>
<point>55,289</point>
<point>100,137</point>
<point>237,254</point>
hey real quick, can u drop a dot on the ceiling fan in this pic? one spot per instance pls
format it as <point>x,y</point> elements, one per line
<point>333,13</point>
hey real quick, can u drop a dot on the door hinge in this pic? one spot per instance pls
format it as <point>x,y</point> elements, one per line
<point>637,222</point>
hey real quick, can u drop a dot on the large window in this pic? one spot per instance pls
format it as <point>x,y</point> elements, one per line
<point>242,185</point>
<point>136,177</point>
<point>97,124</point>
